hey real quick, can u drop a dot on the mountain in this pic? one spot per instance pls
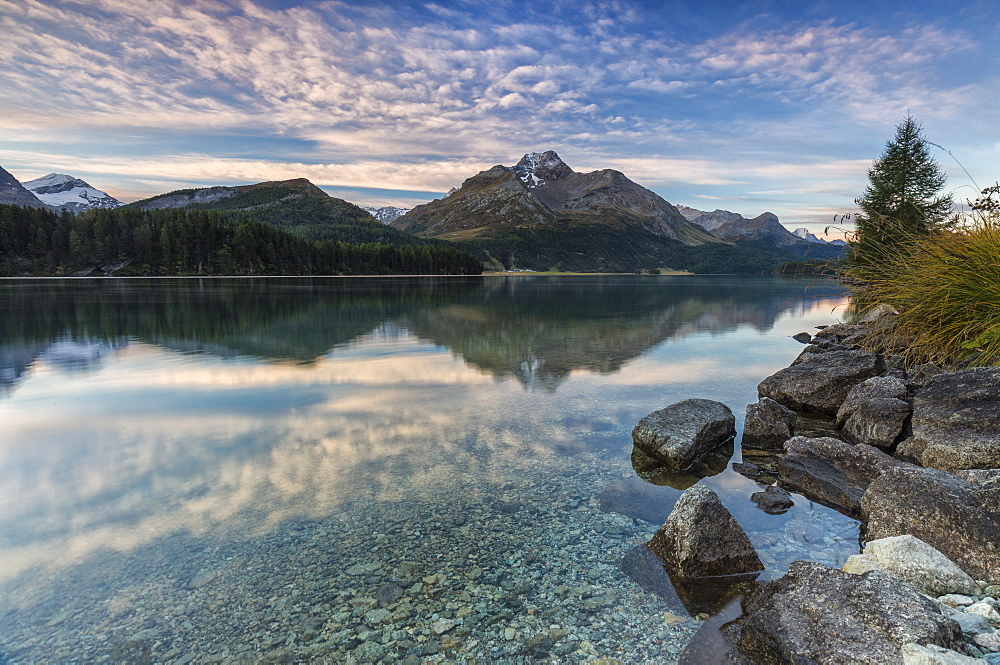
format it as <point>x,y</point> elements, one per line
<point>14,193</point>
<point>764,228</point>
<point>806,235</point>
<point>66,192</point>
<point>297,206</point>
<point>541,214</point>
<point>708,220</point>
<point>385,214</point>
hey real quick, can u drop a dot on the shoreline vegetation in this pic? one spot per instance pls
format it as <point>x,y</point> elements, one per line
<point>938,269</point>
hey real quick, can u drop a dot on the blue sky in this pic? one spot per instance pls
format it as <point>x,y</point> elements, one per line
<point>748,107</point>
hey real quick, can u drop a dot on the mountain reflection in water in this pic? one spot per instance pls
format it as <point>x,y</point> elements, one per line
<point>537,330</point>
<point>157,432</point>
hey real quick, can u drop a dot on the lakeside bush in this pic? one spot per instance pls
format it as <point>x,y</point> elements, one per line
<point>945,286</point>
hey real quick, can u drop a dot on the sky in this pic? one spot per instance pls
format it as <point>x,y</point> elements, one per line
<point>742,106</point>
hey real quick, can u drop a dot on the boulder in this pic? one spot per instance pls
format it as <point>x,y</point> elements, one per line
<point>957,416</point>
<point>878,422</point>
<point>876,387</point>
<point>701,538</point>
<point>833,471</point>
<point>820,380</point>
<point>768,425</point>
<point>958,518</point>
<point>802,337</point>
<point>914,654</point>
<point>773,500</point>
<point>914,561</point>
<point>816,614</point>
<point>987,482</point>
<point>683,432</point>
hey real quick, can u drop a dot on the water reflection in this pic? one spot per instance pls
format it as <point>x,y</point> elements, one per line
<point>536,330</point>
<point>364,418</point>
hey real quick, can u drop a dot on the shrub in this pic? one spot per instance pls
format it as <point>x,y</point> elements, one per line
<point>946,288</point>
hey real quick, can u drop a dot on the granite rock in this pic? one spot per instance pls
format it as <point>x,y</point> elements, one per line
<point>915,562</point>
<point>952,515</point>
<point>833,471</point>
<point>819,380</point>
<point>681,433</point>
<point>701,538</point>
<point>768,425</point>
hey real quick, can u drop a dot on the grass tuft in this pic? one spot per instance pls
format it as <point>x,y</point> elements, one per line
<point>946,288</point>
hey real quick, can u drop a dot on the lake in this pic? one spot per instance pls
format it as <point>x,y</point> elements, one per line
<point>407,469</point>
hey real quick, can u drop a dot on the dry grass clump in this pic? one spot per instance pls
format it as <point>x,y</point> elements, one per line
<point>946,288</point>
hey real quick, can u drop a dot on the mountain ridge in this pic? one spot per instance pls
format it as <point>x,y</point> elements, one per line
<point>541,214</point>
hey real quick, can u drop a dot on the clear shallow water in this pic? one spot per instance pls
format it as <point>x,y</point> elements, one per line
<point>293,469</point>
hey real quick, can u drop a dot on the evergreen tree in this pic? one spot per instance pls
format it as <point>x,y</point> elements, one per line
<point>901,200</point>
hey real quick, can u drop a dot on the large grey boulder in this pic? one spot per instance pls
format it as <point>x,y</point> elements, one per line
<point>701,538</point>
<point>816,614</point>
<point>877,387</point>
<point>833,471</point>
<point>768,425</point>
<point>819,381</point>
<point>911,559</point>
<point>956,420</point>
<point>875,412</point>
<point>877,422</point>
<point>683,432</point>
<point>958,518</point>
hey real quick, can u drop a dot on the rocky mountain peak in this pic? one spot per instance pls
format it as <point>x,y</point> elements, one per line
<point>54,183</point>
<point>538,168</point>
<point>59,190</point>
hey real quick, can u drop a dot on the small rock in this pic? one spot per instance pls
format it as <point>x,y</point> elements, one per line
<point>748,469</point>
<point>538,646</point>
<point>955,600</point>
<point>374,617</point>
<point>914,654</point>
<point>984,610</point>
<point>972,624</point>
<point>361,569</point>
<point>442,626</point>
<point>988,641</point>
<point>802,337</point>
<point>773,500</point>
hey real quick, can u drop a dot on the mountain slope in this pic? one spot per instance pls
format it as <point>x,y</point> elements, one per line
<point>66,192</point>
<point>541,214</point>
<point>297,206</point>
<point>14,193</point>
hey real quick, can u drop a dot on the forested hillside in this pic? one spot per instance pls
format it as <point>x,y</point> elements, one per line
<point>132,241</point>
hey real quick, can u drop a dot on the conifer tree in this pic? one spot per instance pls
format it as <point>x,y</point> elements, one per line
<point>901,200</point>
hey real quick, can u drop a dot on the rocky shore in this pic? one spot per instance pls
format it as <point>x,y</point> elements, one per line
<point>913,452</point>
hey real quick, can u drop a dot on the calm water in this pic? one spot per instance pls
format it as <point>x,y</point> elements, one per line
<point>438,470</point>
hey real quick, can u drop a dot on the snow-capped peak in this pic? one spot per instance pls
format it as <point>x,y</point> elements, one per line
<point>64,191</point>
<point>536,168</point>
<point>806,235</point>
<point>385,214</point>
